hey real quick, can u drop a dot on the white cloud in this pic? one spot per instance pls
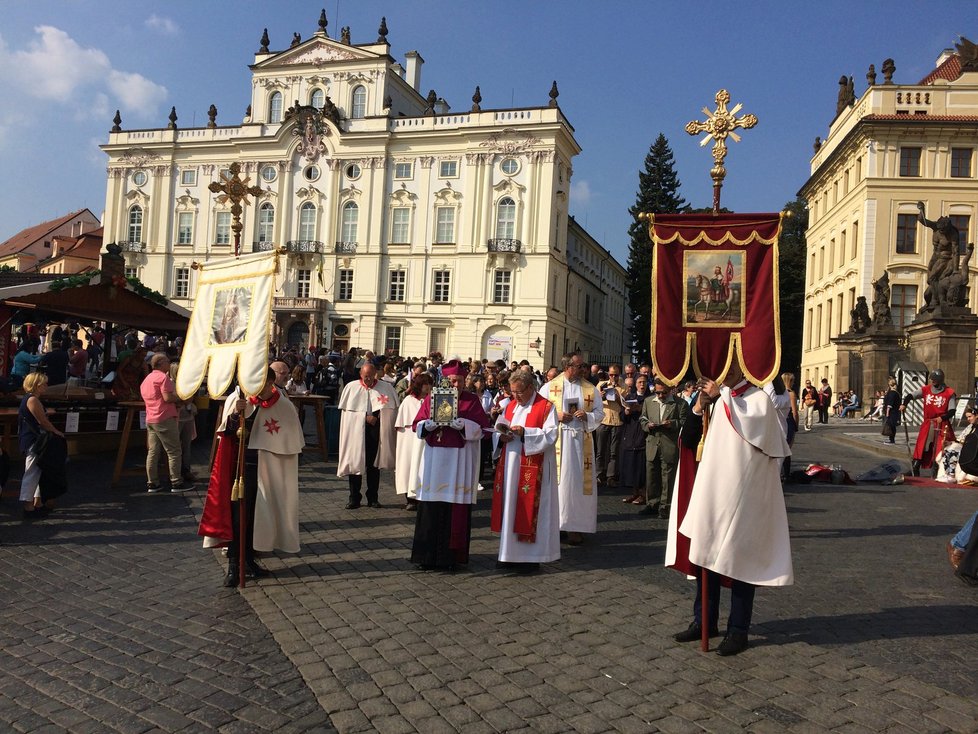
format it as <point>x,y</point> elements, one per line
<point>54,67</point>
<point>162,25</point>
<point>580,193</point>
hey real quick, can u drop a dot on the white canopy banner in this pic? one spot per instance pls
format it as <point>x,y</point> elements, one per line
<point>230,325</point>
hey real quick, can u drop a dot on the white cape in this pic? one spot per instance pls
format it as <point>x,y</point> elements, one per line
<point>410,449</point>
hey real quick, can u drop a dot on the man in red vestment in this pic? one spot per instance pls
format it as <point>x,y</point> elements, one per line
<point>940,403</point>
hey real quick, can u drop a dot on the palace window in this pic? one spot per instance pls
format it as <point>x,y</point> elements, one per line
<point>906,235</point>
<point>266,222</point>
<point>963,223</point>
<point>505,219</point>
<point>222,231</point>
<point>910,161</point>
<point>317,99</point>
<point>303,282</point>
<point>185,228</point>
<point>444,225</point>
<point>903,304</point>
<point>351,216</point>
<point>275,107</point>
<point>136,224</point>
<point>188,177</point>
<point>400,225</point>
<point>132,273</point>
<point>345,290</point>
<point>960,162</point>
<point>448,169</point>
<point>392,339</point>
<point>307,221</point>
<point>358,102</point>
<point>502,281</point>
<point>442,286</point>
<point>398,281</point>
<point>403,170</point>
<point>182,286</point>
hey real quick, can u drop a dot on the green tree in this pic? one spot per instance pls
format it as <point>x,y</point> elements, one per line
<point>791,277</point>
<point>658,193</point>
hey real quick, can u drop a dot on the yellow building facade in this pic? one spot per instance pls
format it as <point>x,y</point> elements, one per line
<point>891,147</point>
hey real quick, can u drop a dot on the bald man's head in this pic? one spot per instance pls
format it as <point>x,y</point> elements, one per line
<point>281,370</point>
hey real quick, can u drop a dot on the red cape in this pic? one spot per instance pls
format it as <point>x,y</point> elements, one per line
<point>215,521</point>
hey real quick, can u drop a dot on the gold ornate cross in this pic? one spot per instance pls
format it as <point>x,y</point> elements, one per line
<point>232,188</point>
<point>718,126</point>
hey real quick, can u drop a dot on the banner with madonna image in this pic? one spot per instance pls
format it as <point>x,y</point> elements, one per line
<point>230,327</point>
<point>715,295</point>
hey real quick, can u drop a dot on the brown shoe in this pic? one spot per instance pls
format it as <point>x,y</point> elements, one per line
<point>954,556</point>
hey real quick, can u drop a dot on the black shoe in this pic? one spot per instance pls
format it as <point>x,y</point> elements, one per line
<point>732,644</point>
<point>375,504</point>
<point>664,513</point>
<point>352,505</point>
<point>915,468</point>
<point>650,510</point>
<point>231,578</point>
<point>694,632</point>
<point>257,572</point>
<point>527,569</point>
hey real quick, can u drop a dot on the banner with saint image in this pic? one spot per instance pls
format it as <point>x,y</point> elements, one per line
<point>229,330</point>
<point>715,295</point>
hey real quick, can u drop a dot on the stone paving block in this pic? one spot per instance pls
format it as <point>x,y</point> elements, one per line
<point>588,724</point>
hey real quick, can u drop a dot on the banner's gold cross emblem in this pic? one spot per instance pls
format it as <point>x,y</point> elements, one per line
<point>718,126</point>
<point>232,188</point>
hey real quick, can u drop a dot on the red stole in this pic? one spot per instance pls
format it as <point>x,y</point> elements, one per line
<point>528,482</point>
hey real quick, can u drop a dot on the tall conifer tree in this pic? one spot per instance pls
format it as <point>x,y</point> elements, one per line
<point>658,192</point>
<point>791,281</point>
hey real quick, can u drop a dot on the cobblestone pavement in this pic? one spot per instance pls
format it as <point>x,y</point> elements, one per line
<point>122,624</point>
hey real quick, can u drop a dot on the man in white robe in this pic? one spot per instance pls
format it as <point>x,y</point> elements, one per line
<point>579,412</point>
<point>736,520</point>
<point>367,436</point>
<point>410,448</point>
<point>271,480</point>
<point>520,440</point>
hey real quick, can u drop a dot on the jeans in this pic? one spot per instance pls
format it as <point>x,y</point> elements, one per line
<point>809,416</point>
<point>960,541</point>
<point>741,602</point>
<point>166,436</point>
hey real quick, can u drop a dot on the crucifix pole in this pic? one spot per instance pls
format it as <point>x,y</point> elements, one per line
<point>232,188</point>
<point>718,126</point>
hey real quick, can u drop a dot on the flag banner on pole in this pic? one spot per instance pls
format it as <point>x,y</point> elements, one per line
<point>229,326</point>
<point>715,295</point>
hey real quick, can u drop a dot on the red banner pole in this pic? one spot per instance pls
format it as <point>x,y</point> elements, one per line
<point>704,612</point>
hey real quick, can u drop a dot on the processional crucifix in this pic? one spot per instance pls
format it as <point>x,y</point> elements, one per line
<point>718,126</point>
<point>236,191</point>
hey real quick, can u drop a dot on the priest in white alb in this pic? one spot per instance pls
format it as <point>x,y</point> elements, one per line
<point>367,436</point>
<point>525,509</point>
<point>579,412</point>
<point>735,524</point>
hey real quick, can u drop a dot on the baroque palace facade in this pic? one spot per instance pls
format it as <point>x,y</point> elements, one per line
<point>895,145</point>
<point>408,227</point>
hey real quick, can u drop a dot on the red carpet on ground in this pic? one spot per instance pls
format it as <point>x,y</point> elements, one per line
<point>931,482</point>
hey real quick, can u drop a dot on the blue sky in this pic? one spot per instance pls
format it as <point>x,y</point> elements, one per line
<point>626,72</point>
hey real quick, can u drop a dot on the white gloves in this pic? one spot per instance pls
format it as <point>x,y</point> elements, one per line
<point>457,424</point>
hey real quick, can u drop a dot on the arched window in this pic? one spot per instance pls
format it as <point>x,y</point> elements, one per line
<point>136,224</point>
<point>317,99</point>
<point>266,222</point>
<point>358,106</point>
<point>307,221</point>
<point>505,219</point>
<point>351,214</point>
<point>275,107</point>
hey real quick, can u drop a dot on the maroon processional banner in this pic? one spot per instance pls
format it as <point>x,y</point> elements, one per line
<point>715,295</point>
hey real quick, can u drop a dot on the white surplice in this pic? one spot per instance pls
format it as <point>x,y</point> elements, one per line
<point>356,402</point>
<point>546,548</point>
<point>736,520</point>
<point>451,474</point>
<point>410,448</point>
<point>578,511</point>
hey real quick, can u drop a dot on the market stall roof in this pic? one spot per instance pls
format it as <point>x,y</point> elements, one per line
<point>96,301</point>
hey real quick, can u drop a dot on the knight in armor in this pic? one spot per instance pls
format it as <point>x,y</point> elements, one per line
<point>940,403</point>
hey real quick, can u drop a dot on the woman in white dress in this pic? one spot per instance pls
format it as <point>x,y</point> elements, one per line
<point>410,448</point>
